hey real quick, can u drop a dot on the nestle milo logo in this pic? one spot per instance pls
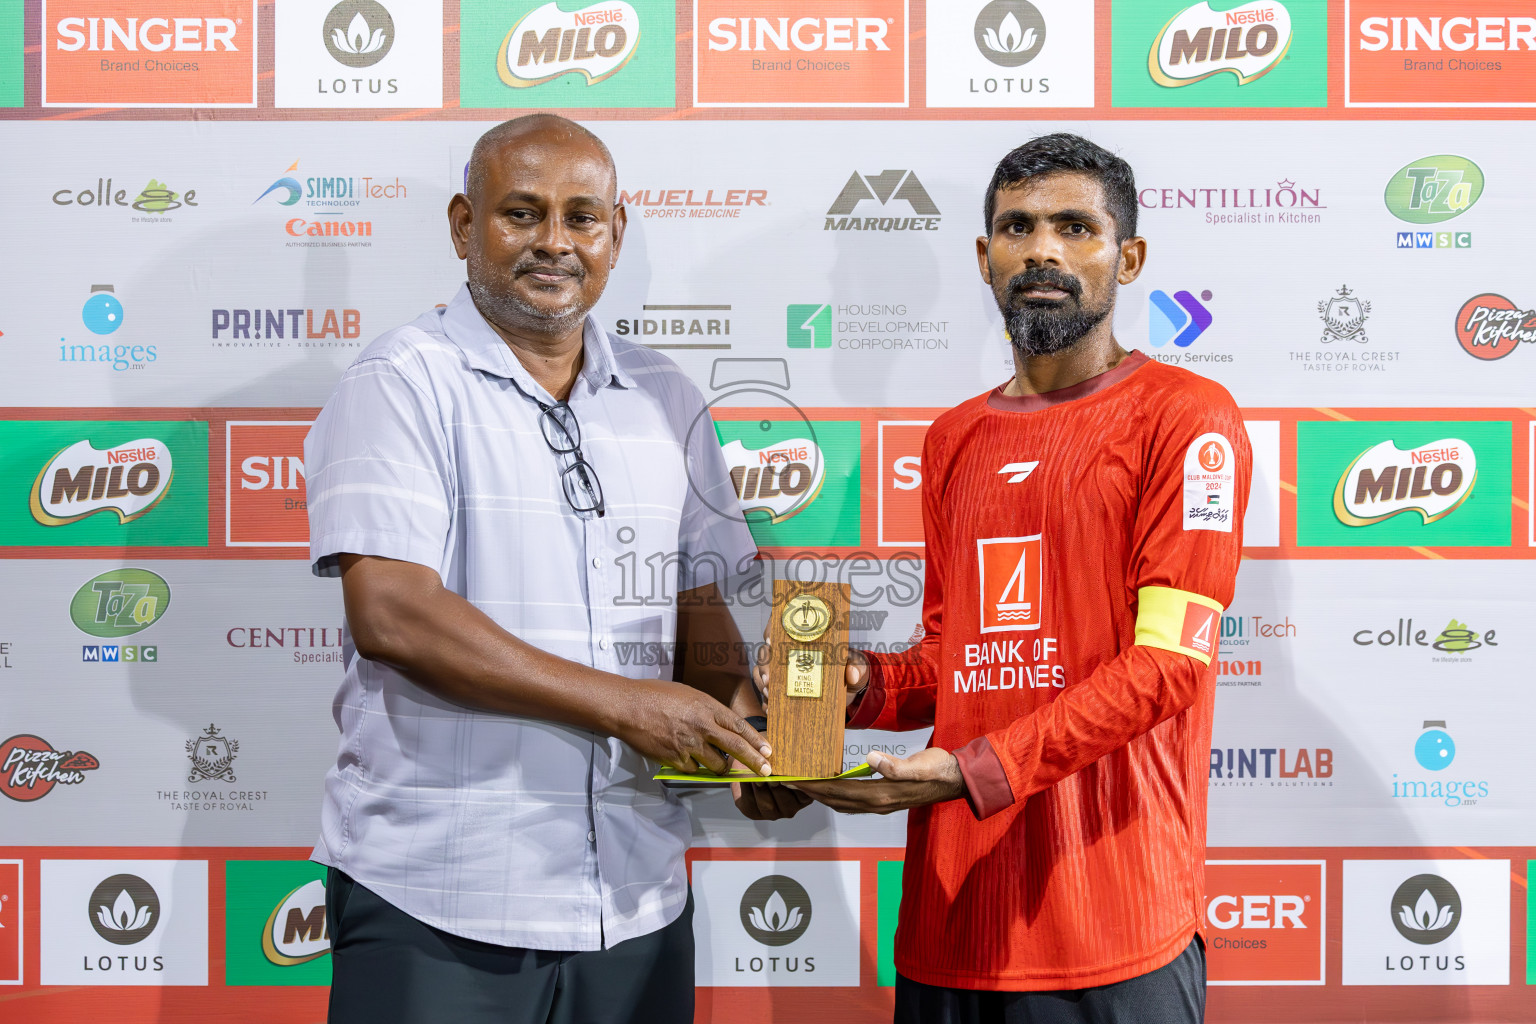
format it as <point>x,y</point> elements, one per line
<point>120,603</point>
<point>1434,189</point>
<point>129,479</point>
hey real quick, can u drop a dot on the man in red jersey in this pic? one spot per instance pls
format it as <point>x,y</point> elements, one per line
<point>1083,525</point>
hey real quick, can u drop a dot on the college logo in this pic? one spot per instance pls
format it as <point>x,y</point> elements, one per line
<point>129,479</point>
<point>133,922</point>
<point>1407,483</point>
<point>120,602</point>
<point>1384,481</point>
<point>212,756</point>
<point>30,767</point>
<point>779,480</point>
<point>124,909</point>
<point>1434,189</point>
<point>1455,638</point>
<point>11,918</point>
<point>796,481</point>
<point>773,53</point>
<point>149,53</point>
<point>796,925</point>
<point>775,910</point>
<point>1009,571</point>
<point>276,932</point>
<point>1490,326</point>
<point>1180,319</point>
<point>1012,53</point>
<point>1266,922</point>
<point>1344,317</point>
<point>154,198</point>
<point>265,501</point>
<point>1393,60</point>
<point>882,188</point>
<point>607,54</point>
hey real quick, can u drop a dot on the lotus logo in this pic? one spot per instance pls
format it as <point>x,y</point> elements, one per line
<point>358,33</point>
<point>1247,41</point>
<point>1426,909</point>
<point>1010,32</point>
<point>776,910</point>
<point>81,480</point>
<point>780,480</point>
<point>1383,481</point>
<point>124,909</point>
<point>296,930</point>
<point>544,44</point>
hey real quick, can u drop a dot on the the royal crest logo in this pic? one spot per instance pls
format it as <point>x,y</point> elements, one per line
<point>1344,317</point>
<point>1197,43</point>
<point>544,44</point>
<point>1433,480</point>
<point>129,479</point>
<point>780,480</point>
<point>1009,573</point>
<point>30,767</point>
<point>212,757</point>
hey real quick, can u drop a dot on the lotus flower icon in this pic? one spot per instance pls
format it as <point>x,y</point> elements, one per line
<point>1010,36</point>
<point>126,916</point>
<point>1010,33</point>
<point>775,915</point>
<point>1426,915</point>
<point>359,38</point>
<point>776,910</point>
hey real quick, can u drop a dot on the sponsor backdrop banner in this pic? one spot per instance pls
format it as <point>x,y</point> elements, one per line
<point>214,205</point>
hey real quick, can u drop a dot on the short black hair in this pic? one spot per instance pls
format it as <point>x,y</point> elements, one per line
<point>1063,151</point>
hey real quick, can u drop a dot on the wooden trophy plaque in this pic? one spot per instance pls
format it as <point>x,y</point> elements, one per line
<point>808,645</point>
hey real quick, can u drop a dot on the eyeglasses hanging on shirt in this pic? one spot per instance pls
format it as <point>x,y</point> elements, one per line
<point>578,480</point>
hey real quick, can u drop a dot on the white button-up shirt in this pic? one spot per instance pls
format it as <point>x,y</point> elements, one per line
<point>513,830</point>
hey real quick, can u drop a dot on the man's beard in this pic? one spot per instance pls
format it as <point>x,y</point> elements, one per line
<point>492,289</point>
<point>1042,328</point>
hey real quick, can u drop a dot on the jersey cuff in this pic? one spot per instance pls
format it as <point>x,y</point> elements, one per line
<point>986,783</point>
<point>866,709</point>
<point>1177,620</point>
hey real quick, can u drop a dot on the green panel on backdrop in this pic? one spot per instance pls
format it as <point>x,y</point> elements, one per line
<point>888,906</point>
<point>273,934</point>
<point>12,66</point>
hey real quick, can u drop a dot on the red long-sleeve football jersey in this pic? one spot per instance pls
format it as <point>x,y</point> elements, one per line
<point>1080,548</point>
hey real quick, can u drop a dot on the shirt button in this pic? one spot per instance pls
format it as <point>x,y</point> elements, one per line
<point>597,563</point>
<point>603,644</point>
<point>591,837</point>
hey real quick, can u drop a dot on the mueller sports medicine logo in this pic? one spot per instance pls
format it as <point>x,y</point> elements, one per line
<point>1433,480</point>
<point>595,42</point>
<point>139,53</point>
<point>882,188</point>
<point>779,480</point>
<point>693,203</point>
<point>296,931</point>
<point>1009,571</point>
<point>1247,42</point>
<point>128,479</point>
<point>30,767</point>
<point>1489,326</point>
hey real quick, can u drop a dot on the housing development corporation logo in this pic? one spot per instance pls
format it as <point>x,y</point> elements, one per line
<point>1489,326</point>
<point>1246,42</point>
<point>30,767</point>
<point>882,189</point>
<point>1010,53</point>
<point>606,54</point>
<point>276,932</point>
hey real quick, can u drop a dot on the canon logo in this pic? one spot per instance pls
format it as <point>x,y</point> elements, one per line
<point>1438,34</point>
<point>804,34</point>
<point>1255,911</point>
<point>154,34</point>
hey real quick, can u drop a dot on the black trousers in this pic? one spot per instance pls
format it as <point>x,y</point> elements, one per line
<point>1173,994</point>
<point>389,968</point>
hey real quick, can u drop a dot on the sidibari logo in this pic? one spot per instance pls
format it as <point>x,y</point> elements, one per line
<point>129,479</point>
<point>296,931</point>
<point>124,909</point>
<point>1247,41</point>
<point>1010,33</point>
<point>120,603</point>
<point>1434,189</point>
<point>1433,480</point>
<point>544,44</point>
<point>1489,326</point>
<point>1426,909</point>
<point>358,33</point>
<point>883,187</point>
<point>780,480</point>
<point>775,910</point>
<point>30,767</point>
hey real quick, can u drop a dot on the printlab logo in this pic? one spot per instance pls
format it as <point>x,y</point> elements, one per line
<point>358,33</point>
<point>882,188</point>
<point>212,756</point>
<point>1426,909</point>
<point>30,767</point>
<point>1180,318</point>
<point>1010,33</point>
<point>124,909</point>
<point>775,910</point>
<point>1489,326</point>
<point>1344,317</point>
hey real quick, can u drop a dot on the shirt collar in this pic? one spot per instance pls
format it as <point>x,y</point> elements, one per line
<point>485,350</point>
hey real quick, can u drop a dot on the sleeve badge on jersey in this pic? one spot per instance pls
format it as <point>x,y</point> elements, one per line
<point>1210,484</point>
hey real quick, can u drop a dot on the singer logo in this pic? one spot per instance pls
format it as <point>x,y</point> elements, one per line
<point>1009,574</point>
<point>1265,922</point>
<point>264,497</point>
<point>900,453</point>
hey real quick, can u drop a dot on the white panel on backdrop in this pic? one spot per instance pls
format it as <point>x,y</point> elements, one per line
<point>125,922</point>
<point>359,53</point>
<point>1010,53</point>
<point>1261,523</point>
<point>1426,922</point>
<point>760,923</point>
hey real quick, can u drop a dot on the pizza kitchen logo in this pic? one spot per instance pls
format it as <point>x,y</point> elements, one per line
<point>1247,42</point>
<point>1383,481</point>
<point>30,767</point>
<point>1489,326</point>
<point>544,44</point>
<point>129,479</point>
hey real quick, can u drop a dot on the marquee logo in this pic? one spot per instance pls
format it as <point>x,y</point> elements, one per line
<point>775,910</point>
<point>1489,326</point>
<point>120,602</point>
<point>1247,42</point>
<point>595,42</point>
<point>780,480</point>
<point>1009,571</point>
<point>30,767</point>
<point>1383,481</point>
<point>129,479</point>
<point>1434,189</point>
<point>883,188</point>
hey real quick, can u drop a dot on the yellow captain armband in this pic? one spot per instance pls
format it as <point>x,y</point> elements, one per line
<point>1177,620</point>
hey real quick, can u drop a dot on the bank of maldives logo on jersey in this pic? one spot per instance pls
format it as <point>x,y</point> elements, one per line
<point>1009,571</point>
<point>149,53</point>
<point>1210,484</point>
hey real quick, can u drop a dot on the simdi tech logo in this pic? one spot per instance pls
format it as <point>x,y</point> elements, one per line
<point>1010,53</point>
<point>359,54</point>
<point>149,53</point>
<point>101,483</point>
<point>779,53</point>
<point>1432,55</point>
<point>1403,484</point>
<point>275,928</point>
<point>1264,53</point>
<point>609,54</point>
